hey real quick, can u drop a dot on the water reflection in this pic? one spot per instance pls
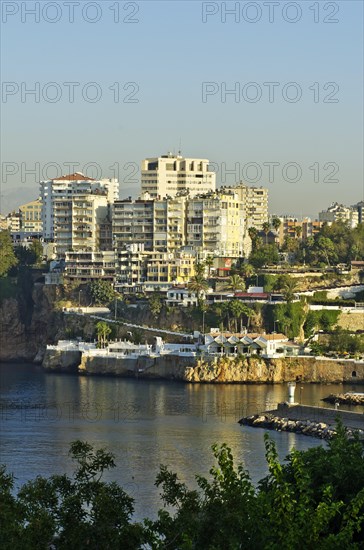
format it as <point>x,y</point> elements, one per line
<point>144,423</point>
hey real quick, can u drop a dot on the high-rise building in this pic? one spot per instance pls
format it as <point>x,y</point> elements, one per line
<point>215,224</point>
<point>132,223</point>
<point>66,187</point>
<point>254,204</point>
<point>171,174</point>
<point>77,220</point>
<point>170,218</point>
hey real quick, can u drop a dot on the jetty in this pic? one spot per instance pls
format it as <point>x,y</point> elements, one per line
<point>305,419</point>
<point>348,398</point>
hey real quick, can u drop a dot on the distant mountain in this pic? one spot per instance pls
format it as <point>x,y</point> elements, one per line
<point>12,197</point>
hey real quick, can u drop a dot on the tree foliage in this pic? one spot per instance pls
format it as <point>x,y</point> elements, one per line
<point>102,292</point>
<point>322,319</point>
<point>266,254</point>
<point>7,255</point>
<point>103,332</point>
<point>236,283</point>
<point>315,499</point>
<point>155,303</point>
<point>199,285</point>
<point>289,318</point>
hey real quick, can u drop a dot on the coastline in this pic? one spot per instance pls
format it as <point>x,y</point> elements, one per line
<point>224,370</point>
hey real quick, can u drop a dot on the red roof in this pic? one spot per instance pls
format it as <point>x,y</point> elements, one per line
<point>77,176</point>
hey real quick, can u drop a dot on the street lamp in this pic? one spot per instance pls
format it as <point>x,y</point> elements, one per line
<point>79,298</point>
<point>275,321</point>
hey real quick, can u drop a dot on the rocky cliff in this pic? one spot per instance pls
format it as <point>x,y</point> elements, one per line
<point>259,370</point>
<point>27,324</point>
<point>222,370</point>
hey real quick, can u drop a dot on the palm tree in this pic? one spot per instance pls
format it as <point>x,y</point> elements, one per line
<point>221,310</point>
<point>247,270</point>
<point>198,285</point>
<point>236,283</point>
<point>253,233</point>
<point>288,289</point>
<point>236,307</point>
<point>298,231</point>
<point>199,268</point>
<point>276,223</point>
<point>103,331</point>
<point>209,262</point>
<point>266,229</point>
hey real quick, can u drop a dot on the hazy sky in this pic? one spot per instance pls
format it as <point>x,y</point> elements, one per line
<point>144,77</point>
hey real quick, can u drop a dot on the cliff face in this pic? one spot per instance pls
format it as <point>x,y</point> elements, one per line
<point>219,371</point>
<point>28,325</point>
<point>167,367</point>
<point>256,369</point>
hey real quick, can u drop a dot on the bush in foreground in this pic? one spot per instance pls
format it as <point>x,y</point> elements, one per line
<point>315,499</point>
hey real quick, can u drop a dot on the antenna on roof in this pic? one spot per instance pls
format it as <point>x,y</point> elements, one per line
<point>180,146</point>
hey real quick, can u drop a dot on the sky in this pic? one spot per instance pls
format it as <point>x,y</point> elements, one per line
<point>270,92</point>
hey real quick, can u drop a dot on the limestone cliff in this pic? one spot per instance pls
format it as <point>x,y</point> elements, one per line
<point>221,370</point>
<point>259,370</point>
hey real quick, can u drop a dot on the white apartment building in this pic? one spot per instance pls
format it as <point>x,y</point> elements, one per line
<point>132,223</point>
<point>170,220</point>
<point>87,266</point>
<point>337,212</point>
<point>215,224</point>
<point>77,220</point>
<point>157,225</point>
<point>254,204</point>
<point>66,187</point>
<point>171,174</point>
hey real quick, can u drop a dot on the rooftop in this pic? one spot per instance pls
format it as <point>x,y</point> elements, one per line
<point>77,176</point>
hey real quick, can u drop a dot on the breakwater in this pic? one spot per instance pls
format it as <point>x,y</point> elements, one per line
<point>349,398</point>
<point>302,419</point>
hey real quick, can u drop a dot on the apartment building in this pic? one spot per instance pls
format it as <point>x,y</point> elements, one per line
<point>165,267</point>
<point>360,208</point>
<point>67,187</point>
<point>31,217</point>
<point>87,265</point>
<point>254,204</point>
<point>133,223</point>
<point>336,212</point>
<point>215,224</point>
<point>171,174</point>
<point>77,220</point>
<point>293,228</point>
<point>170,221</point>
<point>13,222</point>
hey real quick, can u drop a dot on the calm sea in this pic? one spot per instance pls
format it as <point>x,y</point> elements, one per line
<point>144,423</point>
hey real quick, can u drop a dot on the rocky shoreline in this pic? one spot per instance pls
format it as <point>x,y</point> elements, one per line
<point>345,398</point>
<point>269,421</point>
<point>221,370</point>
